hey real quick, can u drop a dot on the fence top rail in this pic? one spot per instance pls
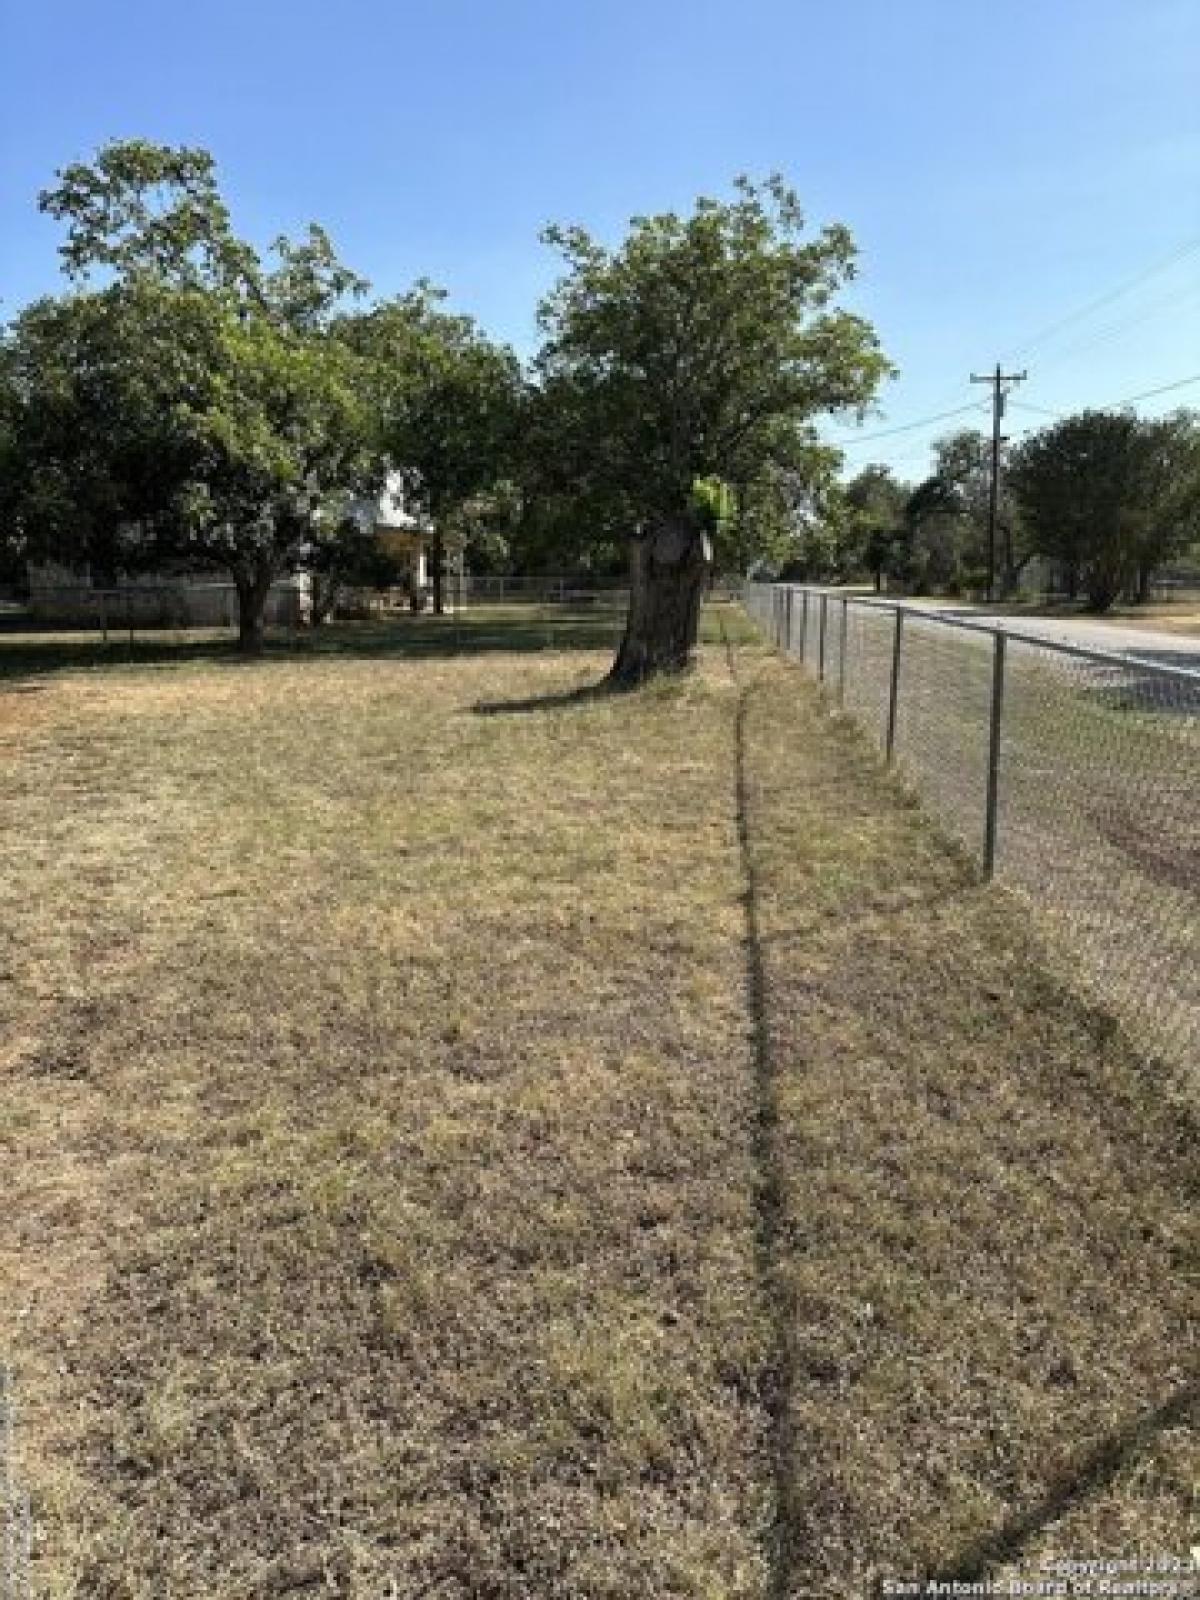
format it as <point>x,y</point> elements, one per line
<point>1109,658</point>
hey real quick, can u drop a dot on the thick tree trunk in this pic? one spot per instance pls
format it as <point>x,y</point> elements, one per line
<point>252,590</point>
<point>669,565</point>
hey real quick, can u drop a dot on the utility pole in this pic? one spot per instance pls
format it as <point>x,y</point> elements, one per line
<point>998,380</point>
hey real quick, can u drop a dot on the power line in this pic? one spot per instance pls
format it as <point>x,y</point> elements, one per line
<point>1180,253</point>
<point>1045,411</point>
<point>1148,394</point>
<point>905,427</point>
<point>1023,405</point>
<point>1120,328</point>
<point>1112,405</point>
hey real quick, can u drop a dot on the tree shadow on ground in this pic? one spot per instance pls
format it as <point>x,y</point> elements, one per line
<point>26,654</point>
<point>587,694</point>
<point>769,1207</point>
<point>518,628</point>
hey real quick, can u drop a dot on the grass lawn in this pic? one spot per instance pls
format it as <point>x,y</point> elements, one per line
<point>466,1138</point>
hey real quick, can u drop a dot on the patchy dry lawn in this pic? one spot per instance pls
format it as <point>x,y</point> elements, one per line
<point>465,1140</point>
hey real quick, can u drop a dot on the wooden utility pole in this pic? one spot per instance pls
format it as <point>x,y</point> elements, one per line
<point>998,380</point>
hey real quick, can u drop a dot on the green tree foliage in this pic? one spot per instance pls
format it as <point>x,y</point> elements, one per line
<point>197,405</point>
<point>945,541</point>
<point>449,403</point>
<point>487,527</point>
<point>871,522</point>
<point>702,347</point>
<point>107,385</point>
<point>1172,491</point>
<point>355,559</point>
<point>12,552</point>
<point>1110,496</point>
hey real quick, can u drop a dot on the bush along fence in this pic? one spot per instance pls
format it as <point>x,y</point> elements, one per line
<point>1073,774</point>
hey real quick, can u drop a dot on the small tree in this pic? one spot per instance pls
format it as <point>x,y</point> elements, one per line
<point>873,513</point>
<point>704,346</point>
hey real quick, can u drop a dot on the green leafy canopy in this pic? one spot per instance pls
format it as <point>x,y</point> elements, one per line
<point>703,346</point>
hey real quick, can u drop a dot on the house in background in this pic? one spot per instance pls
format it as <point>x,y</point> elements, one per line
<point>402,534</point>
<point>407,536</point>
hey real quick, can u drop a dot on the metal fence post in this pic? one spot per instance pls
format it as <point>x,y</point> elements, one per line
<point>804,629</point>
<point>791,595</point>
<point>821,638</point>
<point>894,691</point>
<point>842,652</point>
<point>993,777</point>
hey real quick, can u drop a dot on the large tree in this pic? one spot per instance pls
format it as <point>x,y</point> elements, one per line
<point>101,444</point>
<point>197,405</point>
<point>702,347</point>
<point>1109,496</point>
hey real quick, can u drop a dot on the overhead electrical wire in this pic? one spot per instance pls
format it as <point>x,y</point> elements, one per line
<point>1028,405</point>
<point>850,440</point>
<point>1118,330</point>
<point>1180,253</point>
<point>1149,394</point>
<point>1189,247</point>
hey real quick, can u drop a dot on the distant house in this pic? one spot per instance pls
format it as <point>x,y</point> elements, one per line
<point>404,535</point>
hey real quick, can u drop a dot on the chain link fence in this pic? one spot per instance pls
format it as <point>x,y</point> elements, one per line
<point>1074,774</point>
<point>15,1526</point>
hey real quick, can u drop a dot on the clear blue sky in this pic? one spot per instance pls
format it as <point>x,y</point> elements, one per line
<point>1000,164</point>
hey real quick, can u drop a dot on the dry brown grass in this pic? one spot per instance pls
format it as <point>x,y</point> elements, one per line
<point>606,1149</point>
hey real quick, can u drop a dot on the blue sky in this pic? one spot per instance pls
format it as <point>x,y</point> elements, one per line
<point>1001,165</point>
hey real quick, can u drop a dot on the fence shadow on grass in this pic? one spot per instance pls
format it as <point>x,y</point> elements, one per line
<point>1088,1475</point>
